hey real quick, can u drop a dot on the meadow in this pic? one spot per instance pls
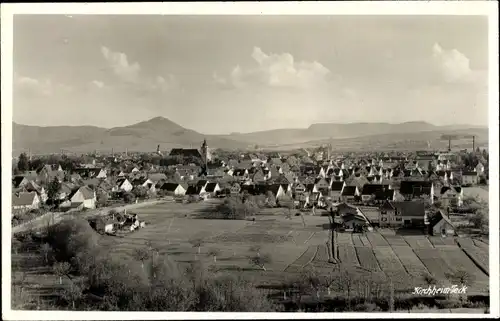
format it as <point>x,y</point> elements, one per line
<point>292,246</point>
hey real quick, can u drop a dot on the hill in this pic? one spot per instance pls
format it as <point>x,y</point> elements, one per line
<point>142,137</point>
<point>399,141</point>
<point>145,136</point>
<point>337,131</point>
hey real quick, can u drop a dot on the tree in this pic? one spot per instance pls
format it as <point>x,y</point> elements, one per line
<point>461,277</point>
<point>61,269</point>
<point>140,191</point>
<point>53,189</point>
<point>260,260</point>
<point>102,198</point>
<point>214,252</point>
<point>22,163</point>
<point>128,197</point>
<point>141,254</point>
<point>197,242</point>
<point>46,250</point>
<point>74,293</point>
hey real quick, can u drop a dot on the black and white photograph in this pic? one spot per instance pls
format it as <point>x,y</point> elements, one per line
<point>205,158</point>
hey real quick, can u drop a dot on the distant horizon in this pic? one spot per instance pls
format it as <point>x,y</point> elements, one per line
<point>224,74</point>
<point>259,131</point>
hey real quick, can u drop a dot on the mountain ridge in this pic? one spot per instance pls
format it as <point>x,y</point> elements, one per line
<point>146,135</point>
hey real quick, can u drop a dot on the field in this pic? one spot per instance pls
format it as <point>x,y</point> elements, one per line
<point>292,247</point>
<point>406,259</point>
<point>482,192</point>
<point>173,228</point>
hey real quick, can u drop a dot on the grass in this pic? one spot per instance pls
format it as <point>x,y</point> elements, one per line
<point>367,258</point>
<point>291,247</point>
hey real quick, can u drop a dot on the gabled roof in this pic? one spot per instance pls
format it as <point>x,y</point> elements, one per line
<point>349,191</point>
<point>337,186</point>
<point>23,198</point>
<point>17,180</point>
<point>210,187</point>
<point>410,208</point>
<point>370,189</point>
<point>193,190</point>
<point>87,192</point>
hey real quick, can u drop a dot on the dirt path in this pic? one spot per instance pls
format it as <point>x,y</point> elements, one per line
<point>52,218</point>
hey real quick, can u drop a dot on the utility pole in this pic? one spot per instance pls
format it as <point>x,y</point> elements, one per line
<point>473,143</point>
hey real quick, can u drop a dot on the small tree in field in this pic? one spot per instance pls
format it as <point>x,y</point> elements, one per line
<point>141,254</point>
<point>197,242</point>
<point>61,269</point>
<point>213,253</point>
<point>74,293</point>
<point>260,260</point>
<point>46,250</point>
<point>461,277</point>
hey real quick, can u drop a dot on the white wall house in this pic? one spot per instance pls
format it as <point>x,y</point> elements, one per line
<point>86,196</point>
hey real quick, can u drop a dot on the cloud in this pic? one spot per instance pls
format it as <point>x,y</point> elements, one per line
<point>118,61</point>
<point>276,70</point>
<point>164,85</point>
<point>43,87</point>
<point>98,84</point>
<point>453,65</point>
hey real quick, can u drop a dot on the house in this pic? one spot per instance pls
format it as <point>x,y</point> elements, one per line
<point>174,189</point>
<point>389,217</point>
<point>211,188</point>
<point>123,184</point>
<point>469,178</point>
<point>321,184</point>
<point>417,189</point>
<point>451,196</point>
<point>25,201</point>
<point>384,195</point>
<point>351,221</point>
<point>344,208</point>
<point>441,224</point>
<point>85,196</point>
<point>235,189</point>
<point>336,189</point>
<point>31,186</point>
<point>479,168</point>
<point>445,176</point>
<point>411,212</point>
<point>369,190</point>
<point>277,190</point>
<point>349,194</point>
<point>299,189</point>
<point>371,213</point>
<point>193,190</point>
<point>19,181</point>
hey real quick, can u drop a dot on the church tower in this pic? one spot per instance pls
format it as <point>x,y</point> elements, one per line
<point>205,153</point>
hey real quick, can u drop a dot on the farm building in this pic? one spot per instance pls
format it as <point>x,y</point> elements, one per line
<point>85,196</point>
<point>25,201</point>
<point>414,189</point>
<point>469,178</point>
<point>336,190</point>
<point>440,224</point>
<point>350,193</point>
<point>411,212</point>
<point>175,189</point>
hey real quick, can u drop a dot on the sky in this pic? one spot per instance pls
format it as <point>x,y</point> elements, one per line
<point>223,74</point>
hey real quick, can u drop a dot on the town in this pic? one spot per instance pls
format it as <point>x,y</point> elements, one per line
<point>399,215</point>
